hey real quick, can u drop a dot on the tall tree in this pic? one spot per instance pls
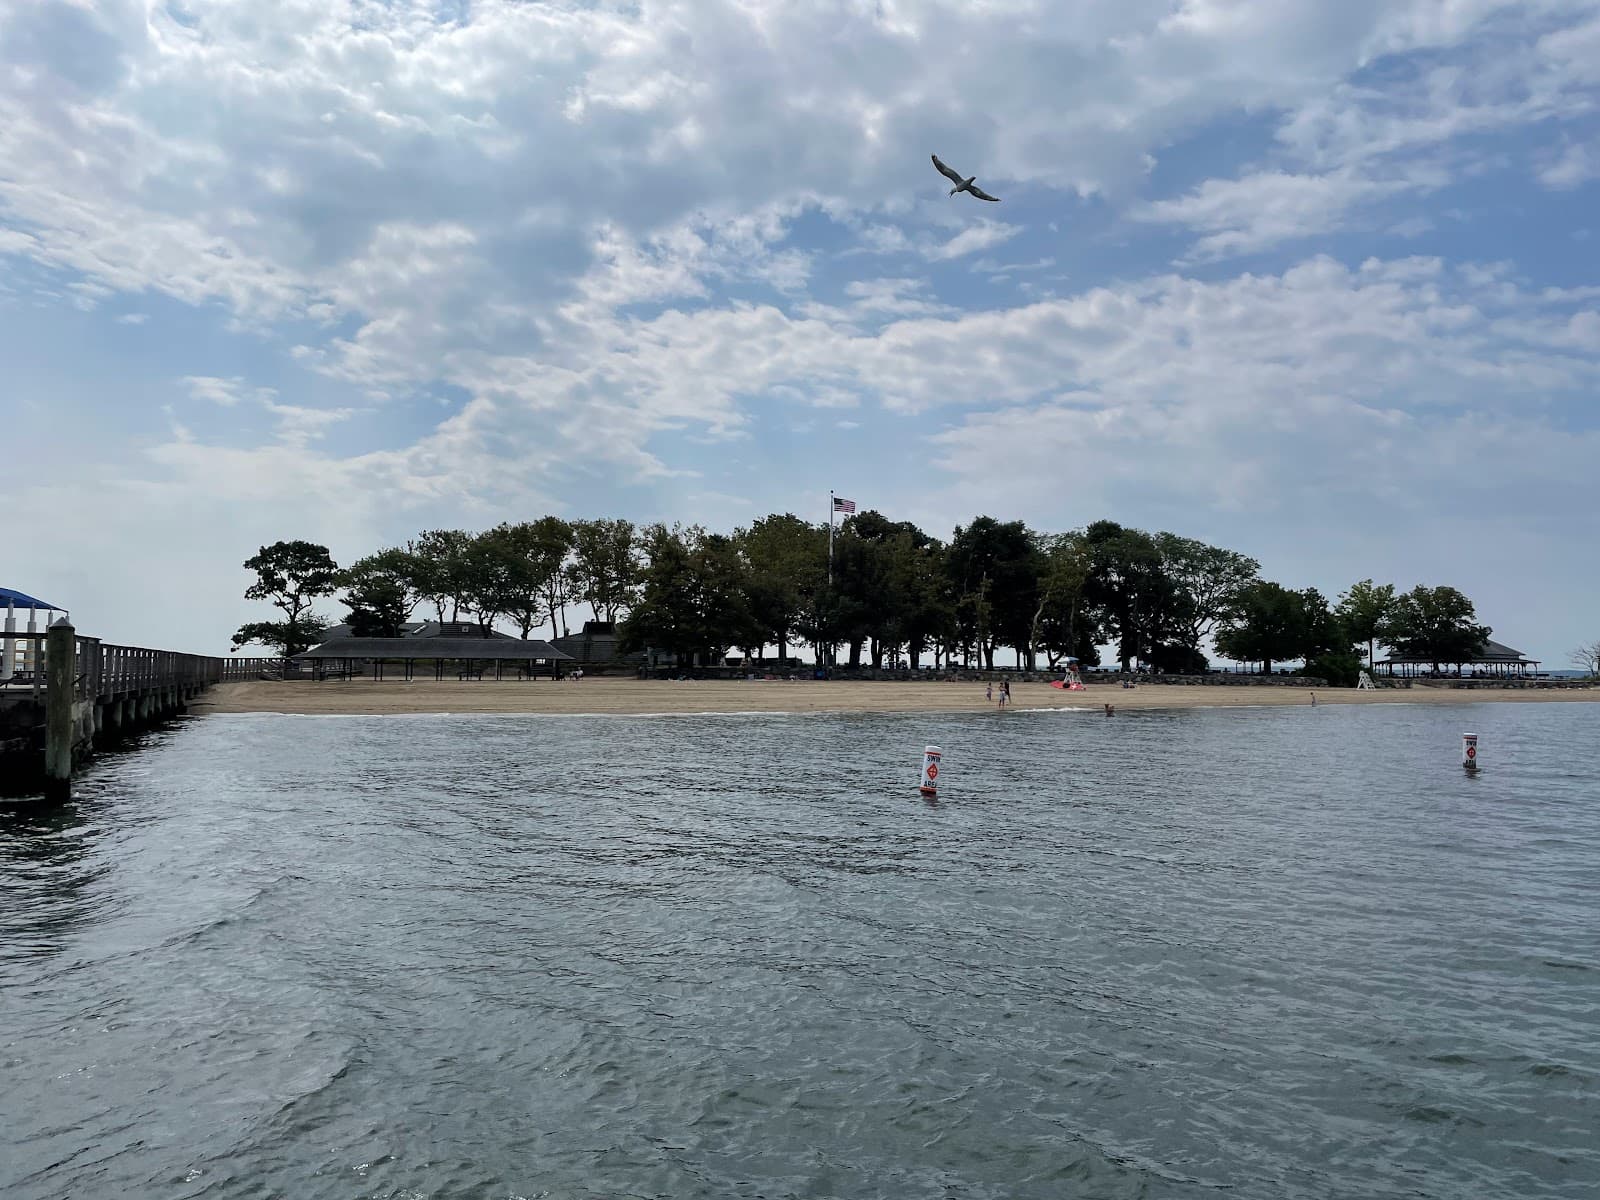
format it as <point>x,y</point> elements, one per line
<point>1267,625</point>
<point>560,585</point>
<point>1002,561</point>
<point>1271,623</point>
<point>1135,603</point>
<point>381,592</point>
<point>538,550</point>
<point>693,602</point>
<point>1060,625</point>
<point>605,565</point>
<point>289,576</point>
<point>442,576</point>
<point>1209,578</point>
<point>922,581</point>
<point>377,609</point>
<point>881,585</point>
<point>1365,611</point>
<point>1434,625</point>
<point>787,564</point>
<point>493,576</point>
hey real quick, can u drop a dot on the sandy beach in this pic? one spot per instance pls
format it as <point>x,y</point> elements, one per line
<point>363,696</point>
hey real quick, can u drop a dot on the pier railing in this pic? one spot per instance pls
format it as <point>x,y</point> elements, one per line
<point>105,671</point>
<point>74,690</point>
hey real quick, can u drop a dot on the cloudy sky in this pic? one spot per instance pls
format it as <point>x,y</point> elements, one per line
<point>1317,281</point>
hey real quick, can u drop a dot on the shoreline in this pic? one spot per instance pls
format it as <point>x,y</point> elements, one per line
<point>631,697</point>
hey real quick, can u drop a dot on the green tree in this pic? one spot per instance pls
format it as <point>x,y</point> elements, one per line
<point>1327,647</point>
<point>881,586</point>
<point>558,586</point>
<point>1208,577</point>
<point>1271,623</point>
<point>605,565</point>
<point>491,576</point>
<point>381,592</point>
<point>1135,604</point>
<point>1061,627</point>
<point>1267,625</point>
<point>922,580</point>
<point>693,602</point>
<point>289,576</point>
<point>1365,611</point>
<point>537,551</point>
<point>1434,625</point>
<point>442,570</point>
<point>787,562</point>
<point>377,608</point>
<point>994,571</point>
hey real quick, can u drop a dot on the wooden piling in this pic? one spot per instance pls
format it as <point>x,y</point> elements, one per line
<point>61,694</point>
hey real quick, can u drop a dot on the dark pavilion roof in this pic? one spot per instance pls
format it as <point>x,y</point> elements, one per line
<point>436,647</point>
<point>1493,652</point>
<point>421,629</point>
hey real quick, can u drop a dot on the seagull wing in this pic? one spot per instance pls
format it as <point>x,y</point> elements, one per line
<point>983,195</point>
<point>952,176</point>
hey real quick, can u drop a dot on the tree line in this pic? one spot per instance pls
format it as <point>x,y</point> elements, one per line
<point>889,593</point>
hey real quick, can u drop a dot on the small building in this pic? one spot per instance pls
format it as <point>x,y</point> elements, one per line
<point>1496,660</point>
<point>596,644</point>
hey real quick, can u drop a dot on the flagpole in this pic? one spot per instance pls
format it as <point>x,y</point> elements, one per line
<point>830,563</point>
<point>830,537</point>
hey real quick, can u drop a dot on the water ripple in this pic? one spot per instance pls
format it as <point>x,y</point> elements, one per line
<point>1273,953</point>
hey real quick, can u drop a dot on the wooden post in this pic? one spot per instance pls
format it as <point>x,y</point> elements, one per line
<point>61,692</point>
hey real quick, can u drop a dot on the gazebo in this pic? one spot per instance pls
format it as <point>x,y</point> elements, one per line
<point>472,655</point>
<point>11,662</point>
<point>1495,660</point>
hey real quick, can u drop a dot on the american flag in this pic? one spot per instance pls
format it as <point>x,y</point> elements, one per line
<point>840,504</point>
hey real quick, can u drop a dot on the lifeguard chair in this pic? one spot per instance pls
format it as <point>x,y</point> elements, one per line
<point>1071,680</point>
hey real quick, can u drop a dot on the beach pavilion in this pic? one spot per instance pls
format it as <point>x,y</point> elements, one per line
<point>467,657</point>
<point>1495,660</point>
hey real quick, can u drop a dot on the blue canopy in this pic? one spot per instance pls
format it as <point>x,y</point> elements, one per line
<point>23,600</point>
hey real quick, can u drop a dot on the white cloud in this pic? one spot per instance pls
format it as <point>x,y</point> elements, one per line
<point>1578,164</point>
<point>982,236</point>
<point>226,392</point>
<point>1302,355</point>
<point>1259,212</point>
<point>604,232</point>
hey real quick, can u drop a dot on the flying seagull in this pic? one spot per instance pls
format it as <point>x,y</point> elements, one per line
<point>962,185</point>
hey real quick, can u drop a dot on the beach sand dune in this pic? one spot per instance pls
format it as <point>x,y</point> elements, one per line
<point>364,696</point>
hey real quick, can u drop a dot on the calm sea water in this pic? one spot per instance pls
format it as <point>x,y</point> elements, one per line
<point>1281,953</point>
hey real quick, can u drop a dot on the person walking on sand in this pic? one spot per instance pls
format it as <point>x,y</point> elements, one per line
<point>1005,692</point>
<point>988,691</point>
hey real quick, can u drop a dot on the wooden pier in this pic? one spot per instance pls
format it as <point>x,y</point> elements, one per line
<point>83,693</point>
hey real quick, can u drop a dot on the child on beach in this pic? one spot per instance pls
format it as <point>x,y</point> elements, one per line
<point>988,691</point>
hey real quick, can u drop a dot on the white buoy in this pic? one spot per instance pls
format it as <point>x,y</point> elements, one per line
<point>1469,751</point>
<point>930,771</point>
